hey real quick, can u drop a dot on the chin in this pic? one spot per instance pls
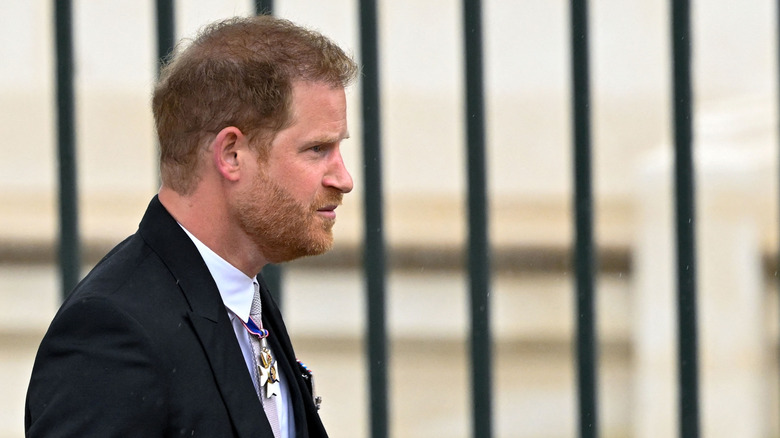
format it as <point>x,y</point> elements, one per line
<point>312,247</point>
<point>320,247</point>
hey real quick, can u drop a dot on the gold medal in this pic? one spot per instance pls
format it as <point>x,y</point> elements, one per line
<point>265,358</point>
<point>272,386</point>
<point>269,373</point>
<point>272,378</point>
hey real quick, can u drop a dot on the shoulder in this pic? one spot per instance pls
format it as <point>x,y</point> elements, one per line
<point>97,369</point>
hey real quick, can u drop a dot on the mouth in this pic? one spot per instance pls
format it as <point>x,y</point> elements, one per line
<point>328,211</point>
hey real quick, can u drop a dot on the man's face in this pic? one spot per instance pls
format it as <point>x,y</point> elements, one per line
<point>289,207</point>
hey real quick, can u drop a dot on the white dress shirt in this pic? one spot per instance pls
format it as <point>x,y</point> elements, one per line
<point>237,291</point>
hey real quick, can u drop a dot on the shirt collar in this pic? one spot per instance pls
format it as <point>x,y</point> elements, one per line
<point>236,289</point>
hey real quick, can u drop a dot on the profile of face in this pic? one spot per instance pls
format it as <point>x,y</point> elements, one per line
<point>288,209</point>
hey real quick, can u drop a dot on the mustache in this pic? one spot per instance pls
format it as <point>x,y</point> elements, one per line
<point>332,197</point>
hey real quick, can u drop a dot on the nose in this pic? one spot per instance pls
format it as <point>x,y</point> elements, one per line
<point>338,176</point>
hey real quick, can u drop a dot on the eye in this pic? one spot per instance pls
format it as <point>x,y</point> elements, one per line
<point>317,148</point>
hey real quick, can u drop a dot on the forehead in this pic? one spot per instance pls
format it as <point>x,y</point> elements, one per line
<point>318,109</point>
<point>318,115</point>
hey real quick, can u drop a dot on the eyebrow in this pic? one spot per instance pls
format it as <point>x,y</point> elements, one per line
<point>326,139</point>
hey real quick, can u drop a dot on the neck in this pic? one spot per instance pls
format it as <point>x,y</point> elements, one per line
<point>205,215</point>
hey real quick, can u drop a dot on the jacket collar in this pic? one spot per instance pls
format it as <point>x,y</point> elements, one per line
<point>166,238</point>
<point>208,316</point>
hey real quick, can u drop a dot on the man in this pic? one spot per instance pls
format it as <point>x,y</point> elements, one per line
<point>174,333</point>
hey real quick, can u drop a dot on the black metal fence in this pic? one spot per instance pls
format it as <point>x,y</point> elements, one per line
<point>479,251</point>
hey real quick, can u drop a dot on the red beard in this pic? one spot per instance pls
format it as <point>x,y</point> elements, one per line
<point>282,228</point>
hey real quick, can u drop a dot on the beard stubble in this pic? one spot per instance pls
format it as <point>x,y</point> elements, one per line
<point>281,227</point>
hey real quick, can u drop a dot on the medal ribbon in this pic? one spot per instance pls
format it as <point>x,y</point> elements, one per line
<point>252,328</point>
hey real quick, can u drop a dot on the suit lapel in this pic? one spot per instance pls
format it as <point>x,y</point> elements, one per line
<point>209,319</point>
<point>303,406</point>
<point>237,393</point>
<point>296,397</point>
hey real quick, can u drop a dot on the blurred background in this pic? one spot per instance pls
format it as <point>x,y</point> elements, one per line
<point>529,173</point>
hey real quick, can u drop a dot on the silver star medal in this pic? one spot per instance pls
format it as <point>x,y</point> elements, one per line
<point>269,374</point>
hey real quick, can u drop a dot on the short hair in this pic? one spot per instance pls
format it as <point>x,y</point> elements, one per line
<point>237,72</point>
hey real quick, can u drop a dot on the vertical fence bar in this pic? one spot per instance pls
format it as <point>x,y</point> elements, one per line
<point>479,245</point>
<point>272,274</point>
<point>587,358</point>
<point>777,61</point>
<point>374,250</point>
<point>685,221</point>
<point>166,39</point>
<point>69,244</point>
<point>264,7</point>
<point>166,30</point>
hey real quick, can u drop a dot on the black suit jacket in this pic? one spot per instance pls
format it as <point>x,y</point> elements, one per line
<point>144,347</point>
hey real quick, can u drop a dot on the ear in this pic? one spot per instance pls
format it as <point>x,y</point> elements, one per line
<point>226,149</point>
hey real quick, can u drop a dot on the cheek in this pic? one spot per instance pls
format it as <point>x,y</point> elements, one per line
<point>303,185</point>
<point>300,178</point>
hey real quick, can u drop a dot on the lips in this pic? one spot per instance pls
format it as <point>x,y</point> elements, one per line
<point>328,211</point>
<point>328,204</point>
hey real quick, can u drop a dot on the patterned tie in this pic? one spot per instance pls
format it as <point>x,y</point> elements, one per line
<point>261,353</point>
